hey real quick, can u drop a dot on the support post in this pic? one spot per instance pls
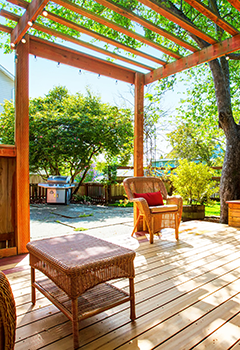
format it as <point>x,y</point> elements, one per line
<point>138,134</point>
<point>138,124</point>
<point>22,146</point>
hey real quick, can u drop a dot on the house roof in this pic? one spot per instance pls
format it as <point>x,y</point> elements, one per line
<point>6,72</point>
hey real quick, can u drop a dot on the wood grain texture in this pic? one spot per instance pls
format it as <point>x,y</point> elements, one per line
<point>187,295</point>
<point>22,145</point>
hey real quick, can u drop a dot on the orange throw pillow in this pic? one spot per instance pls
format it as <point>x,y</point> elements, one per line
<point>153,198</point>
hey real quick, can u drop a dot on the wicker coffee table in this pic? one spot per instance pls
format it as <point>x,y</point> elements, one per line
<point>76,269</point>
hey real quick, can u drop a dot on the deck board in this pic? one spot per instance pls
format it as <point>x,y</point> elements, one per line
<point>187,296</point>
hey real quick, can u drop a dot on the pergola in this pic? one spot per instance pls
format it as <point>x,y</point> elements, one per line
<point>14,160</point>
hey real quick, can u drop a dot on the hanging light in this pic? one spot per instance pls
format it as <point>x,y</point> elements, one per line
<point>23,40</point>
<point>30,23</point>
<point>12,45</point>
<point>45,13</point>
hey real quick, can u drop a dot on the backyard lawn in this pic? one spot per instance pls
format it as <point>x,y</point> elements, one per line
<point>212,209</point>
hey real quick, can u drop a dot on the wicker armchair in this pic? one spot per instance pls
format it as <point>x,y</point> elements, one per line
<point>7,315</point>
<point>154,217</point>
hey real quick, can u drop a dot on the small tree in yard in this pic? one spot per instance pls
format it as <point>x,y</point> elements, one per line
<point>67,132</point>
<point>193,182</point>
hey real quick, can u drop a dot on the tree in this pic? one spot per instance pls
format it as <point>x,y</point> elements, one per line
<point>67,132</point>
<point>222,70</point>
<point>196,134</point>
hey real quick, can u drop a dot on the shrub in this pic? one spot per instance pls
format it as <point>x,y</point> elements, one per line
<point>193,182</point>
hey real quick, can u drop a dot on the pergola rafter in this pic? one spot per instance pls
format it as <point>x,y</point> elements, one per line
<point>154,57</point>
<point>66,37</point>
<point>235,3</point>
<point>33,10</point>
<point>167,13</point>
<point>147,24</point>
<point>198,5</point>
<point>75,8</point>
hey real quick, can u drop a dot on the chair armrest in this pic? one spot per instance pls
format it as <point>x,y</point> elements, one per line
<point>142,205</point>
<point>175,200</point>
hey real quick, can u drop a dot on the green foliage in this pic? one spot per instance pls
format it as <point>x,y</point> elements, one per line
<point>193,182</point>
<point>84,215</point>
<point>122,203</point>
<point>67,132</point>
<point>83,199</point>
<point>109,174</point>
<point>80,229</point>
<point>196,134</point>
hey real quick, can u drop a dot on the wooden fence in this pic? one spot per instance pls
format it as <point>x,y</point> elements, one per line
<point>96,191</point>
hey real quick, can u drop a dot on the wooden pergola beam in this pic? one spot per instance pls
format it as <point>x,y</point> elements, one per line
<point>22,146</point>
<point>110,24</point>
<point>162,10</point>
<point>138,135</point>
<point>198,5</point>
<point>33,10</point>
<point>208,54</point>
<point>79,28</point>
<point>54,52</point>
<point>58,19</point>
<point>5,29</point>
<point>235,3</point>
<point>69,38</point>
<point>138,122</point>
<point>147,24</point>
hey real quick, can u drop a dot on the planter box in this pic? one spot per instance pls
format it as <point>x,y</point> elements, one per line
<point>193,212</point>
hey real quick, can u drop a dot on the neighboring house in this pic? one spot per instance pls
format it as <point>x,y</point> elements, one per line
<point>164,162</point>
<point>6,85</point>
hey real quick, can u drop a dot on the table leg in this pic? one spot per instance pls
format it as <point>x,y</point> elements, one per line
<point>176,226</point>
<point>33,288</point>
<point>75,322</point>
<point>132,300</point>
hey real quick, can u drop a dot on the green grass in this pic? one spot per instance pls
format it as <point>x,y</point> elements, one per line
<point>84,215</point>
<point>212,209</point>
<point>121,204</point>
<point>80,229</point>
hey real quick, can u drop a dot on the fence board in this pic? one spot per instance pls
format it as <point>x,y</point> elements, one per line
<point>7,201</point>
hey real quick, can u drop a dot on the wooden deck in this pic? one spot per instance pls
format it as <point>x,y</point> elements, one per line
<point>187,296</point>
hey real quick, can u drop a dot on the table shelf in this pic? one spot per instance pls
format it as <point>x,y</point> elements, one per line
<point>97,299</point>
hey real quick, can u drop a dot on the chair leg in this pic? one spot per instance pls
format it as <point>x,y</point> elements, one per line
<point>136,225</point>
<point>151,230</point>
<point>176,226</point>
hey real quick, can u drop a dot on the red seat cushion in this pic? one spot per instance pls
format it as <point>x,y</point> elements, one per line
<point>153,198</point>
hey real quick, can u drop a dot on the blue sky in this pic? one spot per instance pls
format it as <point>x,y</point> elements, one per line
<point>45,74</point>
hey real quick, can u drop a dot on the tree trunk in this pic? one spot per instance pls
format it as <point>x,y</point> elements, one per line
<point>230,179</point>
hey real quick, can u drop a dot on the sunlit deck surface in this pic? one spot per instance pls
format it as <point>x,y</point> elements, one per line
<point>187,296</point>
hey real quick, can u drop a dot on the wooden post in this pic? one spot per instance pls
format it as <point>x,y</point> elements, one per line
<point>138,134</point>
<point>22,146</point>
<point>138,124</point>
